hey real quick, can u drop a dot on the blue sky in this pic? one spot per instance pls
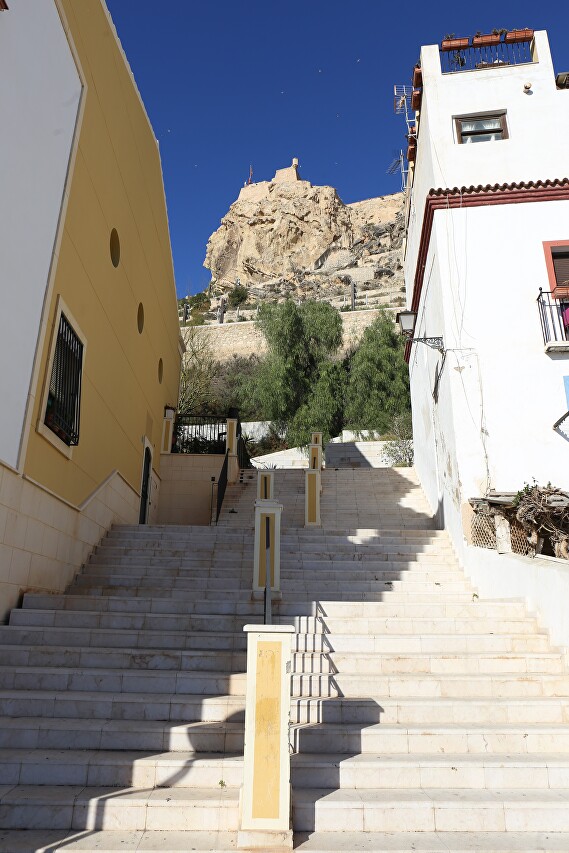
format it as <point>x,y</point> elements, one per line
<point>240,82</point>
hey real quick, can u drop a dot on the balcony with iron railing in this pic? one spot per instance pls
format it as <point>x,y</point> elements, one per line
<point>554,319</point>
<point>481,52</point>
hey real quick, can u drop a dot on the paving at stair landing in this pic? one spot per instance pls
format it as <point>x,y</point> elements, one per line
<point>423,717</point>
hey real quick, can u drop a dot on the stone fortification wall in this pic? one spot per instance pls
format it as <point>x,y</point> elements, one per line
<point>245,338</point>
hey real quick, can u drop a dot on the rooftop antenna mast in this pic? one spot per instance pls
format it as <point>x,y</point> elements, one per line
<point>402,106</point>
<point>398,165</point>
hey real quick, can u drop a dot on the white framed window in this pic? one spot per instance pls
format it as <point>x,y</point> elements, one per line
<point>481,128</point>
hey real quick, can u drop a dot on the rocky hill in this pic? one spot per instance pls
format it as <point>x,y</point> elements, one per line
<point>286,238</point>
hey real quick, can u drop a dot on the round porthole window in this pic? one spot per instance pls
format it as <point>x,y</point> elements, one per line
<point>140,318</point>
<point>115,247</point>
<point>160,370</point>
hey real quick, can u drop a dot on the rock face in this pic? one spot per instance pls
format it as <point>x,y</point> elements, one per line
<point>287,238</point>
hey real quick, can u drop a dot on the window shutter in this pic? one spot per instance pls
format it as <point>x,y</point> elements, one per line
<point>561,267</point>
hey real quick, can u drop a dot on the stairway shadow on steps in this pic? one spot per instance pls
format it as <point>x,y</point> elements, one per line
<point>356,716</point>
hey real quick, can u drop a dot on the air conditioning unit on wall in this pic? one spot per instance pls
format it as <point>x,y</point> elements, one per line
<point>562,80</point>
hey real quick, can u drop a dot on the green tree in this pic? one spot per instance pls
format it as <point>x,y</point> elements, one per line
<point>378,381</point>
<point>238,296</point>
<point>300,340</point>
<point>323,409</point>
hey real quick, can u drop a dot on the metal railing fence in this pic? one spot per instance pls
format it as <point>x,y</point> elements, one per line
<point>553,316</point>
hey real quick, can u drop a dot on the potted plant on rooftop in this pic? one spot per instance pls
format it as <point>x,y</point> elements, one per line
<point>417,76</point>
<point>480,40</point>
<point>450,42</point>
<point>518,36</point>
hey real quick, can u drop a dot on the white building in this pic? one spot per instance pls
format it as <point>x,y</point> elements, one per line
<point>488,226</point>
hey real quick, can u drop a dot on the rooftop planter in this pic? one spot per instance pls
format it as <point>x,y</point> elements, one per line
<point>417,77</point>
<point>518,36</point>
<point>416,95</point>
<point>486,40</point>
<point>455,44</point>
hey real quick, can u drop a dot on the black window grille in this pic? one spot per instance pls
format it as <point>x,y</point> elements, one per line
<point>63,402</point>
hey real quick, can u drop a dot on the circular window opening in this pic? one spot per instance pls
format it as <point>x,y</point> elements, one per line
<point>160,370</point>
<point>140,318</point>
<point>115,246</point>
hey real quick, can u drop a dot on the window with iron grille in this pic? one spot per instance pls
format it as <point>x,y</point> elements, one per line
<point>64,396</point>
<point>481,128</point>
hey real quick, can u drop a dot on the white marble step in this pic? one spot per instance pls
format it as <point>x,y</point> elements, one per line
<point>114,841</point>
<point>429,810</point>
<point>182,589</point>
<point>120,768</point>
<point>396,663</point>
<point>197,547</point>
<point>80,637</point>
<point>477,608</point>
<point>430,842</point>
<point>189,533</point>
<point>412,711</point>
<point>309,573</point>
<point>84,808</point>
<point>86,657</point>
<point>79,632</point>
<point>461,771</point>
<point>308,586</point>
<point>354,644</point>
<point>449,685</point>
<point>93,679</point>
<point>379,739</point>
<point>300,557</point>
<point>63,733</point>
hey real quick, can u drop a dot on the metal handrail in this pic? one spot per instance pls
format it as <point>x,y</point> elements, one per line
<point>222,485</point>
<point>268,615</point>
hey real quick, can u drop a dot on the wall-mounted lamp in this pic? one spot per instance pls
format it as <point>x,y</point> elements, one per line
<point>407,320</point>
<point>169,412</point>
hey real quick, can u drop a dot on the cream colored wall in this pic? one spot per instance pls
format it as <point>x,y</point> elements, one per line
<point>44,541</point>
<point>116,182</point>
<point>57,508</point>
<point>185,488</point>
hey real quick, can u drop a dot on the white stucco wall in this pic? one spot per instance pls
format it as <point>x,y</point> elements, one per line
<point>500,393</point>
<point>538,127</point>
<point>39,102</point>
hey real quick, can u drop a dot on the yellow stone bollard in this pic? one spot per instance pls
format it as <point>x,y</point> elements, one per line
<point>263,510</point>
<point>315,456</point>
<point>231,437</point>
<point>265,485</point>
<point>312,489</point>
<point>265,796</point>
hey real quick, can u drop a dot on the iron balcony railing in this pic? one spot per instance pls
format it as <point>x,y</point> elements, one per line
<point>473,58</point>
<point>199,434</point>
<point>554,317</point>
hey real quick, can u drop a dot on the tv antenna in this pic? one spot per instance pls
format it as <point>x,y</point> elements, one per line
<point>398,165</point>
<point>402,105</point>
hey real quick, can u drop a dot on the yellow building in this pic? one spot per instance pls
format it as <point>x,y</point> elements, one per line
<point>89,336</point>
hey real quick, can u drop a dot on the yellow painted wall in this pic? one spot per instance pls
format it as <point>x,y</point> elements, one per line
<point>116,182</point>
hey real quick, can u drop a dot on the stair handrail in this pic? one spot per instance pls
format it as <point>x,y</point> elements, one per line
<point>222,485</point>
<point>268,603</point>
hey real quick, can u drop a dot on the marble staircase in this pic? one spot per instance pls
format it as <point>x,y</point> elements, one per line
<point>422,717</point>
